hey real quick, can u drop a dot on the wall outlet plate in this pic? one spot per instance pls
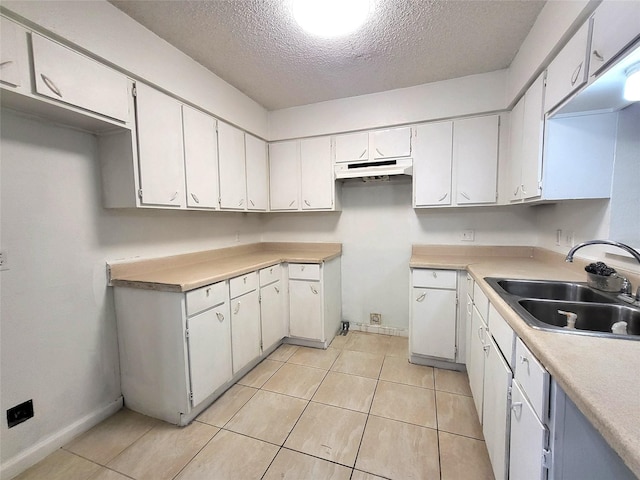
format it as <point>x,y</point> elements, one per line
<point>468,235</point>
<point>20,413</point>
<point>375,318</point>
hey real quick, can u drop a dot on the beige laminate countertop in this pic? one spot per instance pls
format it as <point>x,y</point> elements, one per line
<point>600,375</point>
<point>182,273</point>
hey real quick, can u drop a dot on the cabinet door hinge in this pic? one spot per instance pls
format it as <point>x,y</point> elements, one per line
<point>191,396</point>
<point>260,300</point>
<point>134,91</point>
<point>186,333</point>
<point>540,186</point>
<point>546,458</point>
<point>509,393</point>
<point>140,193</point>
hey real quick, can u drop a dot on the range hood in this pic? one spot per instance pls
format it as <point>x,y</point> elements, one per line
<point>376,168</point>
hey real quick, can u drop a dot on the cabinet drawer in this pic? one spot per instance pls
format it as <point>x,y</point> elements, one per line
<point>503,335</point>
<point>423,277</point>
<point>533,378</point>
<point>206,297</point>
<point>269,275</point>
<point>304,271</point>
<point>241,285</point>
<point>481,301</point>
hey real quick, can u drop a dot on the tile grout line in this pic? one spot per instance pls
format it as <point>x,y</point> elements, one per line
<point>197,453</point>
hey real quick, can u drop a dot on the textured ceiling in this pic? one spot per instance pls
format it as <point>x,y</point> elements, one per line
<point>256,46</point>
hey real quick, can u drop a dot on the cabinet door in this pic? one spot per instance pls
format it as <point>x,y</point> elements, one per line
<point>353,146</point>
<point>432,164</point>
<point>475,360</point>
<point>209,351</point>
<point>200,158</point>
<point>495,414</point>
<point>433,327</point>
<point>568,71</point>
<point>532,135</point>
<point>528,439</point>
<point>160,148</point>
<point>233,178</point>
<point>272,315</point>
<point>395,142</point>
<point>69,77</point>
<point>305,310</point>
<point>257,173</point>
<point>284,176</point>
<point>475,159</point>
<point>515,147</point>
<point>468,327</point>
<point>245,329</point>
<point>615,26</point>
<point>13,56</point>
<point>316,174</point>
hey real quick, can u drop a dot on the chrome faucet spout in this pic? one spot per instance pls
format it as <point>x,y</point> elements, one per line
<point>633,252</point>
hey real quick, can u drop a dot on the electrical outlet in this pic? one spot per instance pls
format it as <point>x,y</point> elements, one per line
<point>20,413</point>
<point>237,237</point>
<point>569,240</point>
<point>559,237</point>
<point>375,318</point>
<point>4,262</point>
<point>468,235</point>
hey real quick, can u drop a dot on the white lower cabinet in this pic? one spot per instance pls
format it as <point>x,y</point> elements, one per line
<point>245,321</point>
<point>433,323</point>
<point>272,312</point>
<point>475,359</point>
<point>314,302</point>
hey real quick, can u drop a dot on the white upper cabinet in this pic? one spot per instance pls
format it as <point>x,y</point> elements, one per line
<point>395,142</point>
<point>352,147</point>
<point>200,158</point>
<point>257,173</point>
<point>231,158</point>
<point>14,56</point>
<point>432,157</point>
<point>616,25</point>
<point>514,177</point>
<point>568,70</point>
<point>64,75</point>
<point>160,148</point>
<point>475,159</point>
<point>316,174</point>
<point>284,175</point>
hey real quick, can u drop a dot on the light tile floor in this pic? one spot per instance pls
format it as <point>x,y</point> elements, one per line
<point>356,411</point>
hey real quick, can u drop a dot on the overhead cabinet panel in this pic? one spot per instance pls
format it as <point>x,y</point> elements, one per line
<point>432,164</point>
<point>316,174</point>
<point>69,77</point>
<point>233,186</point>
<point>160,148</point>
<point>201,158</point>
<point>395,142</point>
<point>475,154</point>
<point>353,146</point>
<point>284,175</point>
<point>12,54</point>
<point>257,173</point>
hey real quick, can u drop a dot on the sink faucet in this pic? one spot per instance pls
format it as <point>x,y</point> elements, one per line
<point>634,253</point>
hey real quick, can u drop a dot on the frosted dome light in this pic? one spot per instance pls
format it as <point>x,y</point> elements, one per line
<point>330,18</point>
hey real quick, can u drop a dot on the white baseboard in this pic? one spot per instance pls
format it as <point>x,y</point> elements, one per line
<point>379,329</point>
<point>19,463</point>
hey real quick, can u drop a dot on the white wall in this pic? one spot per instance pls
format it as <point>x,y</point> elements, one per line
<point>377,227</point>
<point>450,98</point>
<point>111,35</point>
<point>58,342</point>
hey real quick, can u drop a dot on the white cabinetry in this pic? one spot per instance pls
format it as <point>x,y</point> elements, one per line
<point>257,166</point>
<point>272,315</point>
<point>175,349</point>
<point>374,145</point>
<point>245,320</point>
<point>456,163</point>
<point>615,26</point>
<point>301,175</point>
<point>568,70</point>
<point>433,326</point>
<point>200,158</point>
<point>314,302</point>
<point>160,148</point>
<point>475,160</point>
<point>475,359</point>
<point>14,56</point>
<point>527,128</point>
<point>233,183</point>
<point>432,164</point>
<point>66,76</point>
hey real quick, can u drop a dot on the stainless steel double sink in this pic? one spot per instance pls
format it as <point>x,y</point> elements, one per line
<point>538,302</point>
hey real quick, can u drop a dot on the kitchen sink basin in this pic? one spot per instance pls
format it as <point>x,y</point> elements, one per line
<point>591,317</point>
<point>571,292</point>
<point>538,301</point>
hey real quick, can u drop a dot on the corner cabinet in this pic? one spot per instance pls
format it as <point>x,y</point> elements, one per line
<point>233,184</point>
<point>456,163</point>
<point>175,349</point>
<point>314,302</point>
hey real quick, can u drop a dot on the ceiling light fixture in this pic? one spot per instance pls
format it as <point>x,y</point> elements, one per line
<point>330,18</point>
<point>632,84</point>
